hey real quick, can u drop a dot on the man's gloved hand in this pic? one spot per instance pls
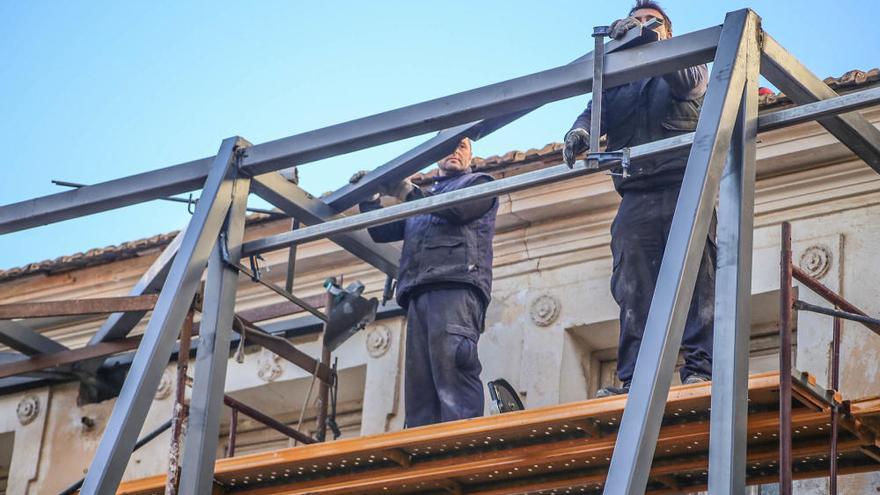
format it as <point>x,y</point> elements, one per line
<point>576,142</point>
<point>357,176</point>
<point>399,190</point>
<point>621,26</point>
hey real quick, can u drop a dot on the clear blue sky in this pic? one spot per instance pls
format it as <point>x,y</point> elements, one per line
<point>92,91</point>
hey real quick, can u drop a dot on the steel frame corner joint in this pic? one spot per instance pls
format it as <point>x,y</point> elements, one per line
<point>154,352</point>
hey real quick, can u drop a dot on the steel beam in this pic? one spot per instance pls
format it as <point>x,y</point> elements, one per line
<point>297,203</point>
<point>802,86</point>
<point>154,352</point>
<point>447,140</point>
<point>282,347</point>
<point>733,291</point>
<point>640,425</point>
<point>118,325</point>
<point>769,121</point>
<point>72,307</point>
<point>203,428</point>
<point>809,112</point>
<point>491,101</point>
<point>25,340</point>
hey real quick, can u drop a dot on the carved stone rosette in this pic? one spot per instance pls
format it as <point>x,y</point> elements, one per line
<point>28,409</point>
<point>269,367</point>
<point>378,341</point>
<point>816,260</point>
<point>544,310</point>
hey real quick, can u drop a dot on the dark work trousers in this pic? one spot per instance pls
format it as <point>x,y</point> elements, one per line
<point>638,239</point>
<point>442,367</point>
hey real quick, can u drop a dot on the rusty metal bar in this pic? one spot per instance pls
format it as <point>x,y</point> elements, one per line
<point>105,349</point>
<point>282,347</point>
<point>831,296</point>
<point>233,431</point>
<point>43,361</point>
<point>179,414</point>
<point>835,387</point>
<point>324,387</point>
<point>267,420</point>
<point>785,312</point>
<point>72,307</point>
<point>865,320</point>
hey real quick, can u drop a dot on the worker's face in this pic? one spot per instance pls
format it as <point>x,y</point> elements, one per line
<point>458,161</point>
<point>645,15</point>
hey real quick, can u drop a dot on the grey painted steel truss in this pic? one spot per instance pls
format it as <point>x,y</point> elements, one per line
<point>721,162</point>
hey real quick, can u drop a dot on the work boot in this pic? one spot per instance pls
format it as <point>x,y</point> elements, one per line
<point>609,391</point>
<point>696,378</point>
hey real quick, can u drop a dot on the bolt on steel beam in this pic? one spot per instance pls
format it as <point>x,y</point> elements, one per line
<point>640,425</point>
<point>180,287</point>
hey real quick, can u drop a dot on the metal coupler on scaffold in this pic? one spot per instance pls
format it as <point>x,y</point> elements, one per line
<point>595,157</point>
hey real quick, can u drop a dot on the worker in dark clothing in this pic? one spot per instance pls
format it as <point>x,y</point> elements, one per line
<point>444,283</point>
<point>636,113</point>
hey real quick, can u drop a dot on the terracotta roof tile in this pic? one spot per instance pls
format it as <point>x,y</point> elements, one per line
<point>549,154</point>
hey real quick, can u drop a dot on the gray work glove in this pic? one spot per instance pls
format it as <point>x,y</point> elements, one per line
<point>399,190</point>
<point>357,178</point>
<point>576,142</point>
<point>621,26</point>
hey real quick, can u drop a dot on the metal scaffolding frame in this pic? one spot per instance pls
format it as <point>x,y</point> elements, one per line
<point>721,165</point>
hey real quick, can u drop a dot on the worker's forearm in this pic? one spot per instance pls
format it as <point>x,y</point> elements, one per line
<point>389,232</point>
<point>467,212</point>
<point>689,83</point>
<point>583,120</point>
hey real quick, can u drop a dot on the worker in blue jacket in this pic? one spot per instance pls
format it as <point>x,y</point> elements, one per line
<point>632,114</point>
<point>445,284</point>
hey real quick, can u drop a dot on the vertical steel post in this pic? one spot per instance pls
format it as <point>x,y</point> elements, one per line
<point>733,291</point>
<point>599,33</point>
<point>215,331</point>
<point>179,414</point>
<point>155,349</point>
<point>637,440</point>
<point>835,412</point>
<point>291,260</point>
<point>785,309</point>
<point>233,432</point>
<point>324,387</point>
